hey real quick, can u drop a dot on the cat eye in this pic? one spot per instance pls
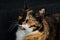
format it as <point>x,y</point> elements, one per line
<point>26,20</point>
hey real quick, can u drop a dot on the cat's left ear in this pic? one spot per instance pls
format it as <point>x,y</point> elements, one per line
<point>19,17</point>
<point>42,11</point>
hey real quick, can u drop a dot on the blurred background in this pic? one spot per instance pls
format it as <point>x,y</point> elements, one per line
<point>10,9</point>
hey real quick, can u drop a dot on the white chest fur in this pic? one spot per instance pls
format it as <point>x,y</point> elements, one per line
<point>20,34</point>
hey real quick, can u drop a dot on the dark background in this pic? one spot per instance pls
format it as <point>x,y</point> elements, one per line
<point>9,10</point>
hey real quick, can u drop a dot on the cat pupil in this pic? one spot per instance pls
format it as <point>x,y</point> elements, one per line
<point>26,20</point>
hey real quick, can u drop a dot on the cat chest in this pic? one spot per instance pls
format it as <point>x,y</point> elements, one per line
<point>20,35</point>
<point>24,35</point>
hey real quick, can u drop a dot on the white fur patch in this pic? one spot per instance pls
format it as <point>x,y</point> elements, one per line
<point>20,34</point>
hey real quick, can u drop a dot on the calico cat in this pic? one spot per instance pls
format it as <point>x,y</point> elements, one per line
<point>31,27</point>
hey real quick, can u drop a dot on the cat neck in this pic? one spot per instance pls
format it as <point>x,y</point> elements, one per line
<point>34,32</point>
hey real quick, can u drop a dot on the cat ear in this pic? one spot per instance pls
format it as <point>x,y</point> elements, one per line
<point>42,11</point>
<point>29,11</point>
<point>19,17</point>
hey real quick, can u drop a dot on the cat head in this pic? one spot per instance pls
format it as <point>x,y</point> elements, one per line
<point>30,21</point>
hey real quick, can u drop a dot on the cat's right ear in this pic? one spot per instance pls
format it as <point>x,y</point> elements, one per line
<point>19,17</point>
<point>42,11</point>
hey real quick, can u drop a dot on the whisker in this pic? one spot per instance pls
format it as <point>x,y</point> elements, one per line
<point>12,26</point>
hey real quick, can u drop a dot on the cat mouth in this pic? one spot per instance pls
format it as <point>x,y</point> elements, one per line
<point>24,26</point>
<point>21,28</point>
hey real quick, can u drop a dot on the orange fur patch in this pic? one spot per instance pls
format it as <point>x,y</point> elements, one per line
<point>35,36</point>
